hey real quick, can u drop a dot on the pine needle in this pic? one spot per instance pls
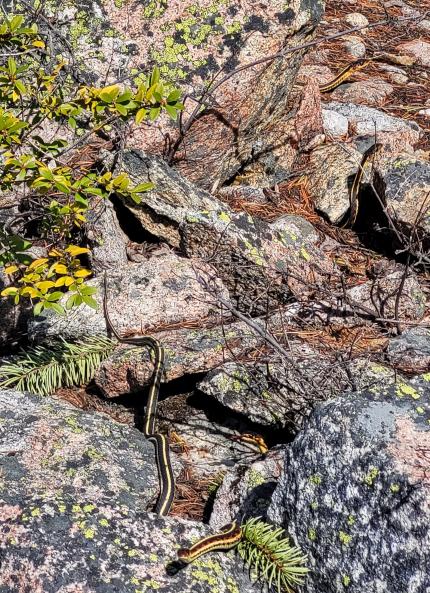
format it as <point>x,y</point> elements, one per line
<point>44,369</point>
<point>268,553</point>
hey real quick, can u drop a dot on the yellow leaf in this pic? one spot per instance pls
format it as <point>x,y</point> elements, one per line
<point>75,250</point>
<point>44,286</point>
<point>68,280</point>
<point>82,273</point>
<point>11,269</point>
<point>55,253</point>
<point>32,292</point>
<point>38,43</point>
<point>61,281</point>
<point>59,268</point>
<point>10,290</point>
<point>37,262</point>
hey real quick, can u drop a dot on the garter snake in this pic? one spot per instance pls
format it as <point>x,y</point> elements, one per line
<point>356,184</point>
<point>164,466</point>
<point>345,74</point>
<point>227,539</point>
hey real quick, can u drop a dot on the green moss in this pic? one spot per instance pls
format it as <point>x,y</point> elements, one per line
<point>93,454</point>
<point>371,476</point>
<point>344,538</point>
<point>404,389</point>
<point>304,254</point>
<point>73,424</point>
<point>346,580</point>
<point>255,478</point>
<point>35,512</point>
<point>394,488</point>
<point>224,217</point>
<point>88,508</point>
<point>104,522</point>
<point>312,534</point>
<point>426,376</point>
<point>351,520</point>
<point>315,479</point>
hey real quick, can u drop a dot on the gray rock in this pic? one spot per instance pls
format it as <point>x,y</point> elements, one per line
<point>283,392</point>
<point>371,91</point>
<point>163,209</point>
<point>403,183</point>
<point>335,124</point>
<point>355,492</point>
<point>258,265</point>
<point>380,296</point>
<point>354,46</point>
<point>74,487</point>
<point>366,121</point>
<point>331,166</point>
<point>411,350</point>
<point>297,228</point>
<point>108,240</point>
<point>356,19</point>
<point>246,490</point>
<point>188,351</point>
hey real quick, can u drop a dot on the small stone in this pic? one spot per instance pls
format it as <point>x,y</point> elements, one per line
<point>372,92</point>
<point>356,19</point>
<point>420,50</point>
<point>354,46</point>
<point>366,121</point>
<point>396,75</point>
<point>335,124</point>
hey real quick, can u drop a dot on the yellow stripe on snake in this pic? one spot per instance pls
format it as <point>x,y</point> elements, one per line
<point>164,466</point>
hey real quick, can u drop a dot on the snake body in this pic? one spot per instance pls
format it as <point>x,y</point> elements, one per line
<point>162,450</point>
<point>227,539</point>
<point>345,74</point>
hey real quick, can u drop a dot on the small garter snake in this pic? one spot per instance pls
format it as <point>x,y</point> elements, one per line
<point>356,184</point>
<point>227,539</point>
<point>345,74</point>
<point>164,466</point>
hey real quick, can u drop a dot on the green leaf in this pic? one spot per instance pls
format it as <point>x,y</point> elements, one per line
<point>154,113</point>
<point>174,96</point>
<point>171,111</point>
<point>90,301</point>
<point>38,308</point>
<point>141,115</point>
<point>155,76</point>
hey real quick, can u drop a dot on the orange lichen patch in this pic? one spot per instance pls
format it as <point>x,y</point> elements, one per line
<point>411,452</point>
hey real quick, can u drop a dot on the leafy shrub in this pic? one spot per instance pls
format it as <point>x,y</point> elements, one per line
<point>60,192</point>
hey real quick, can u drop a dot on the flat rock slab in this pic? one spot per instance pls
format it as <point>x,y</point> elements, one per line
<point>51,450</point>
<point>140,296</point>
<point>355,493</point>
<point>73,491</point>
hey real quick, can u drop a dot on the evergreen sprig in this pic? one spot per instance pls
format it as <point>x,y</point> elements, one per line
<point>267,551</point>
<point>44,369</point>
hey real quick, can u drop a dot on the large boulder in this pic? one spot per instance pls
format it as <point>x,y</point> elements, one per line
<point>196,43</point>
<point>139,297</point>
<point>74,492</point>
<point>355,492</point>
